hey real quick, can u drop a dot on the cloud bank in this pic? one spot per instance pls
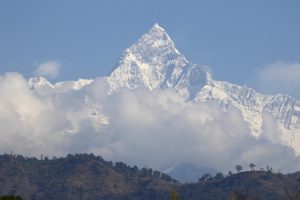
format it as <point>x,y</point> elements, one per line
<point>49,69</point>
<point>156,129</point>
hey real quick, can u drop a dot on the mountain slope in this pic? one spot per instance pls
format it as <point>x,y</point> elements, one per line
<point>154,62</point>
<point>250,185</point>
<point>43,86</point>
<point>87,177</point>
<point>79,177</point>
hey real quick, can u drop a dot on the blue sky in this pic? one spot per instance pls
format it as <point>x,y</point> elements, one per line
<point>236,39</point>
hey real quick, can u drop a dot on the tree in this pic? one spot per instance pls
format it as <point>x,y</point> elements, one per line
<point>10,197</point>
<point>219,176</point>
<point>233,196</point>
<point>229,173</point>
<point>252,166</point>
<point>205,177</point>
<point>238,168</point>
<point>279,171</point>
<point>269,169</point>
<point>237,196</point>
<point>174,196</point>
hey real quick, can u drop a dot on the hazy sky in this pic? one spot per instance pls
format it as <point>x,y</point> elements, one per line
<point>237,39</point>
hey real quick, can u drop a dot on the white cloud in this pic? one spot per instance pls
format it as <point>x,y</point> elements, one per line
<point>49,69</point>
<point>29,124</point>
<point>156,129</point>
<point>280,77</point>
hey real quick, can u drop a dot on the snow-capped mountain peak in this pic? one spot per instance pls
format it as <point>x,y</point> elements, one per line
<point>38,82</point>
<point>158,37</point>
<point>154,62</point>
<point>157,27</point>
<point>43,86</point>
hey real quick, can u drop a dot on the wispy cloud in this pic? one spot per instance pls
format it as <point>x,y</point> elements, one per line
<point>50,69</point>
<point>280,77</point>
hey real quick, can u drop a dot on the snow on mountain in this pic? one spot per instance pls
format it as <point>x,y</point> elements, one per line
<point>39,82</point>
<point>154,62</point>
<point>254,105</point>
<point>86,110</point>
<point>43,86</point>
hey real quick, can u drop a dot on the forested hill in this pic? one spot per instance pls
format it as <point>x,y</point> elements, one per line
<point>79,177</point>
<point>86,176</point>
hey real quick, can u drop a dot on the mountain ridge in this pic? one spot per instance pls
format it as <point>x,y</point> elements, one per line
<point>154,62</point>
<point>192,82</point>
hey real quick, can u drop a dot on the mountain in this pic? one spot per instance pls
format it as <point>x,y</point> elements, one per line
<point>85,176</point>
<point>248,185</point>
<point>154,62</point>
<point>43,86</point>
<point>188,172</point>
<point>81,176</point>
